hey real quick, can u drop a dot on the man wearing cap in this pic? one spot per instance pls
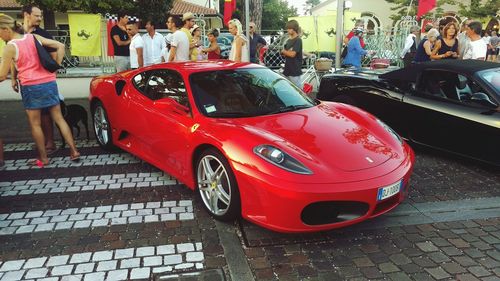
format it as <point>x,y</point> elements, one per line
<point>188,21</point>
<point>256,42</point>
<point>154,44</point>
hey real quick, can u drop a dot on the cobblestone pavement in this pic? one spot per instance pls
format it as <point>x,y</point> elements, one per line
<point>114,217</point>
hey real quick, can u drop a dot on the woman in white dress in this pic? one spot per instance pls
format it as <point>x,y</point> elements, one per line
<point>239,47</point>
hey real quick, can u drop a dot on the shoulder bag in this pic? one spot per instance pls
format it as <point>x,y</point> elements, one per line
<point>45,59</point>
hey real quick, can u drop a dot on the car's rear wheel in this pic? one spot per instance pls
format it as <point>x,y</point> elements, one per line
<point>217,186</point>
<point>102,127</point>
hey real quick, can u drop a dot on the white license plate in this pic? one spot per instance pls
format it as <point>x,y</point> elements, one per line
<point>388,191</point>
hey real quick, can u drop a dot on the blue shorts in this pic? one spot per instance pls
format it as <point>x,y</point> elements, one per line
<point>40,95</point>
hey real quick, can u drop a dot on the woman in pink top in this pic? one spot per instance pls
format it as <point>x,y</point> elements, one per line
<point>38,86</point>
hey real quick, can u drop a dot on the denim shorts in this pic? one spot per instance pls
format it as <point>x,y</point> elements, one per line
<point>40,95</point>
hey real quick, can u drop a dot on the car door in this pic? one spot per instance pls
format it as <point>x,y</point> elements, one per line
<point>170,121</point>
<point>442,115</point>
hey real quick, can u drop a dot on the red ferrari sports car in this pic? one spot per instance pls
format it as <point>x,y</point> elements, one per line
<point>253,145</point>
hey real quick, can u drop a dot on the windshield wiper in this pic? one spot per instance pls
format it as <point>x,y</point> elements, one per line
<point>290,108</point>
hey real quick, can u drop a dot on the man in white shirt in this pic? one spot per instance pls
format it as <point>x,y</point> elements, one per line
<point>410,47</point>
<point>477,48</point>
<point>179,50</point>
<point>154,44</point>
<point>136,46</point>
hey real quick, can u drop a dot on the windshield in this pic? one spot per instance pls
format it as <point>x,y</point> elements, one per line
<point>245,92</point>
<point>492,77</point>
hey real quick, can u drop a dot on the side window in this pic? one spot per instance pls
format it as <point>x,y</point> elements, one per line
<point>140,81</point>
<point>442,84</point>
<point>167,84</point>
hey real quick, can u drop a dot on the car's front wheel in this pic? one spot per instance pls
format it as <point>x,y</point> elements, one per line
<point>217,186</point>
<point>102,127</point>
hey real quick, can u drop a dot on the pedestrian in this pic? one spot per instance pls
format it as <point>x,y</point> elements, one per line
<point>38,86</point>
<point>121,42</point>
<point>293,53</point>
<point>410,47</point>
<point>447,47</point>
<point>476,49</point>
<point>136,46</point>
<point>493,46</point>
<point>426,45</point>
<point>213,51</point>
<point>256,42</point>
<point>179,47</point>
<point>196,53</point>
<point>463,39</point>
<point>355,51</point>
<point>154,44</point>
<point>32,18</point>
<point>239,48</point>
<point>188,23</point>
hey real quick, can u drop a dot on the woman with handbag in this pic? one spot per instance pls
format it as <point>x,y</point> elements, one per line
<point>38,85</point>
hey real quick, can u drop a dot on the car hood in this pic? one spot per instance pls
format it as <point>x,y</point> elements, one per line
<point>327,136</point>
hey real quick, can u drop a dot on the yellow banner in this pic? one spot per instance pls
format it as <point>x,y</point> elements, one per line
<point>85,34</point>
<point>319,31</point>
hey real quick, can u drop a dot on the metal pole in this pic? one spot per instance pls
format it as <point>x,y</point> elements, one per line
<point>340,32</point>
<point>247,22</point>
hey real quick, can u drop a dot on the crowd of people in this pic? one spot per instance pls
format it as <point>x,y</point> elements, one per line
<point>450,42</point>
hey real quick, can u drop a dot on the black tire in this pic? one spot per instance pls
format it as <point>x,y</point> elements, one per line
<point>217,188</point>
<point>102,126</point>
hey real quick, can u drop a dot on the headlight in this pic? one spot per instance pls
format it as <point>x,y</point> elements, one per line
<point>390,130</point>
<point>281,159</point>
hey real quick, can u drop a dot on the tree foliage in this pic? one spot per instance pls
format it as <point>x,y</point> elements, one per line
<point>275,14</point>
<point>479,9</point>
<point>309,5</point>
<point>400,8</point>
<point>155,9</point>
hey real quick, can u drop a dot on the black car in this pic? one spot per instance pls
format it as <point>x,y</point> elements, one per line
<point>452,105</point>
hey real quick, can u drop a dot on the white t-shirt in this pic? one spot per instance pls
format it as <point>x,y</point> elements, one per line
<point>135,44</point>
<point>181,43</point>
<point>476,49</point>
<point>153,48</point>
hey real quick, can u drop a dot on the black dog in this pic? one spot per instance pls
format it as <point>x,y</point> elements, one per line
<point>74,114</point>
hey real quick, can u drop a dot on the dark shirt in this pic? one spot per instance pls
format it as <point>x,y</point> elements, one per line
<point>42,32</point>
<point>293,66</point>
<point>120,50</point>
<point>254,40</point>
<point>421,55</point>
<point>445,48</point>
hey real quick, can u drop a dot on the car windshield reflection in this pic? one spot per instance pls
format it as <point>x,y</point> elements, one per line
<point>245,93</point>
<point>492,77</point>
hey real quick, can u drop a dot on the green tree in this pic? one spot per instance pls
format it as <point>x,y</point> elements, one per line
<point>275,14</point>
<point>400,8</point>
<point>309,5</point>
<point>155,9</point>
<point>479,9</point>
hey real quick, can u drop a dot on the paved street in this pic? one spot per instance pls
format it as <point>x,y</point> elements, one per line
<point>113,217</point>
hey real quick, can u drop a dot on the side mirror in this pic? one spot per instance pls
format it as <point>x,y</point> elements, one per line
<point>483,99</point>
<point>171,105</point>
<point>307,88</point>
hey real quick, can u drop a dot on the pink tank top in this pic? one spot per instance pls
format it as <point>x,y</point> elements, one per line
<point>29,69</point>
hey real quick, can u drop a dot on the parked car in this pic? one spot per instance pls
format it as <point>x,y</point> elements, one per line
<point>451,105</point>
<point>248,141</point>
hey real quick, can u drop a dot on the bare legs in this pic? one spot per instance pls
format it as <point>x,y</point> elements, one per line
<point>34,117</point>
<point>48,132</point>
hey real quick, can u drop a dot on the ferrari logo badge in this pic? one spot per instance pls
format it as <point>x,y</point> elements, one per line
<point>194,127</point>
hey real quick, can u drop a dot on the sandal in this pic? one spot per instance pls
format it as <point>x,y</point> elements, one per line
<point>37,162</point>
<point>75,157</point>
